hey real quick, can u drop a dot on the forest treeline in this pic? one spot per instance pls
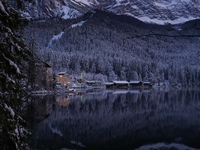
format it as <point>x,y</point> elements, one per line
<point>108,47</point>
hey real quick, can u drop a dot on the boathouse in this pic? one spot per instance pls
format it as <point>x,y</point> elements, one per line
<point>135,84</point>
<point>120,84</point>
<point>147,84</point>
<point>109,85</point>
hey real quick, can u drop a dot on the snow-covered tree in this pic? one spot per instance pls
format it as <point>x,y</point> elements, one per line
<point>13,58</point>
<point>112,76</point>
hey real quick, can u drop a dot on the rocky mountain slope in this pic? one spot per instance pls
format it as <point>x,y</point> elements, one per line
<point>153,11</point>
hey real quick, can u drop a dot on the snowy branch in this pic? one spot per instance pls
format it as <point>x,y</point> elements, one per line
<point>3,9</point>
<point>12,64</point>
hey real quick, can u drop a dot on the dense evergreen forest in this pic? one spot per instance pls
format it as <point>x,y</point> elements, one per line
<point>102,46</point>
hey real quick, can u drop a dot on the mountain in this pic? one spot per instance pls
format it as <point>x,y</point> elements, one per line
<point>152,11</point>
<point>104,46</point>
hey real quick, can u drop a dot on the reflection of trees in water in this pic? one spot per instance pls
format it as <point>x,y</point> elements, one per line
<point>153,115</point>
<point>39,107</point>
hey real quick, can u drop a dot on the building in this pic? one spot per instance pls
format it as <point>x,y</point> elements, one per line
<point>94,83</point>
<point>147,84</point>
<point>63,78</point>
<point>109,85</point>
<point>135,84</point>
<point>120,84</point>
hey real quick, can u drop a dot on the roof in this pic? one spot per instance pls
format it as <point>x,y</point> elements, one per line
<point>46,65</point>
<point>146,82</point>
<point>108,83</point>
<point>60,73</point>
<point>93,81</point>
<point>120,82</point>
<point>135,82</point>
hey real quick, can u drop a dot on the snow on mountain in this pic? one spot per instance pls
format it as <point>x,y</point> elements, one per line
<point>157,11</point>
<point>55,37</point>
<point>78,24</point>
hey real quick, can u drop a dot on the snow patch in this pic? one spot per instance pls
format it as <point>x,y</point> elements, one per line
<point>66,10</point>
<point>55,37</point>
<point>78,24</point>
<point>163,22</point>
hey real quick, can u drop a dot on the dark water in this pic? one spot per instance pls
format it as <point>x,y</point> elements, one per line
<point>117,120</point>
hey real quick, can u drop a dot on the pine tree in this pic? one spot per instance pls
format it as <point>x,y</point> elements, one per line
<point>13,57</point>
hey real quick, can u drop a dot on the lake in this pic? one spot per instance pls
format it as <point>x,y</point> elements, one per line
<point>116,119</point>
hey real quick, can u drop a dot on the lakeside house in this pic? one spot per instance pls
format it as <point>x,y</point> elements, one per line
<point>109,85</point>
<point>120,84</point>
<point>135,84</point>
<point>63,78</point>
<point>147,85</point>
<point>125,84</point>
<point>95,84</point>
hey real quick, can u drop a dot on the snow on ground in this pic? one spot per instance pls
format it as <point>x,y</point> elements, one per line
<point>55,37</point>
<point>163,22</point>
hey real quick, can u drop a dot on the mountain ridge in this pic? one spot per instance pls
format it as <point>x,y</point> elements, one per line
<point>159,12</point>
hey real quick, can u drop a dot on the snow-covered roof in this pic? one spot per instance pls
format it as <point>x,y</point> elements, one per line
<point>135,82</point>
<point>93,81</point>
<point>108,83</point>
<point>146,82</point>
<point>60,73</point>
<point>120,82</point>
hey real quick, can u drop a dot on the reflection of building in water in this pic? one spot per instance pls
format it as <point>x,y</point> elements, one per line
<point>62,101</point>
<point>63,78</point>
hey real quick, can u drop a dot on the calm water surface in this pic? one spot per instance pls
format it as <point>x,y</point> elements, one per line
<point>117,120</point>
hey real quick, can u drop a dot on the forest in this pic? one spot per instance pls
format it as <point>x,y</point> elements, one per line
<point>107,47</point>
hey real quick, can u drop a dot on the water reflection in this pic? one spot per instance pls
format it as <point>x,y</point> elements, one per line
<point>120,120</point>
